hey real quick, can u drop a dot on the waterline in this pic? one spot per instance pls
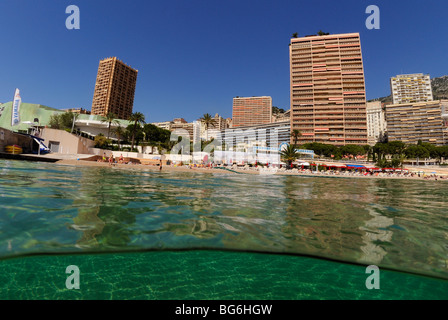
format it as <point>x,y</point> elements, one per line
<point>395,224</point>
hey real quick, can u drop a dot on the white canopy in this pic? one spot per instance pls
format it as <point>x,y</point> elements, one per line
<point>301,163</point>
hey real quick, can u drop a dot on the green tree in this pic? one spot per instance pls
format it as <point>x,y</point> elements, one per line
<point>396,148</point>
<point>383,163</point>
<point>416,152</point>
<point>151,132</point>
<point>352,149</point>
<point>296,134</point>
<point>432,149</point>
<point>277,110</point>
<point>119,132</point>
<point>208,120</point>
<point>368,151</point>
<point>138,119</point>
<point>295,35</point>
<point>402,157</point>
<point>101,141</point>
<point>380,149</point>
<point>321,33</point>
<point>136,134</point>
<point>443,151</point>
<point>289,154</point>
<point>395,163</point>
<point>110,118</point>
<point>318,148</point>
<point>67,120</point>
<point>54,121</point>
<point>156,136</point>
<point>62,121</point>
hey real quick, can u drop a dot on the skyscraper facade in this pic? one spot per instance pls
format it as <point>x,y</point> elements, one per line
<point>328,97</point>
<point>425,121</point>
<point>411,88</point>
<point>376,123</point>
<point>114,89</point>
<point>251,111</point>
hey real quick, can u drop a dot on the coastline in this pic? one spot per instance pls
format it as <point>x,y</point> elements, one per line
<point>426,173</point>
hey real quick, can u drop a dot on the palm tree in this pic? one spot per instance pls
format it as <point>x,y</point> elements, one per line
<point>368,150</point>
<point>119,132</point>
<point>296,134</point>
<point>138,118</point>
<point>295,35</point>
<point>402,157</point>
<point>110,118</point>
<point>208,120</point>
<point>289,154</point>
<point>321,33</point>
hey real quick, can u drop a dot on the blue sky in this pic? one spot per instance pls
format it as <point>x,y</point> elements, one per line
<point>194,56</point>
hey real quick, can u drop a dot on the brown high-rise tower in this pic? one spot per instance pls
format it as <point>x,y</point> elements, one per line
<point>328,95</point>
<point>251,111</point>
<point>114,89</point>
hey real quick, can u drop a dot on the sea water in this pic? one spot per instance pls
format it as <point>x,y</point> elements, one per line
<point>142,234</point>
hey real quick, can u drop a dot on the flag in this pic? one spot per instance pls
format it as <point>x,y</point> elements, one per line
<point>15,108</point>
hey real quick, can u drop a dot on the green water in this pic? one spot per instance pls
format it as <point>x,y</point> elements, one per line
<point>191,275</point>
<point>75,213</point>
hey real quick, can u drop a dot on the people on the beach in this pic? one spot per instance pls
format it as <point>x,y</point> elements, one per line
<point>160,168</point>
<point>121,160</point>
<point>387,174</point>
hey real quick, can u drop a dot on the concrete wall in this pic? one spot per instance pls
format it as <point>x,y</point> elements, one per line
<point>68,143</point>
<point>7,137</point>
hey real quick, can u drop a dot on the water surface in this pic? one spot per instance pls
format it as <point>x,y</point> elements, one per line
<point>398,225</point>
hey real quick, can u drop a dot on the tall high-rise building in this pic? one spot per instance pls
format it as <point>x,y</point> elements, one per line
<point>376,123</point>
<point>411,88</point>
<point>328,97</point>
<point>251,111</point>
<point>114,89</point>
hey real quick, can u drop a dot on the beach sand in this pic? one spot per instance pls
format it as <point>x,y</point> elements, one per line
<point>139,166</point>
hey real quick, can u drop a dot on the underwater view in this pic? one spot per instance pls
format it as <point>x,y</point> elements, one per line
<point>141,234</point>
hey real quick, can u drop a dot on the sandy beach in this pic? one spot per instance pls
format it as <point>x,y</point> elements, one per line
<point>139,166</point>
<point>426,173</point>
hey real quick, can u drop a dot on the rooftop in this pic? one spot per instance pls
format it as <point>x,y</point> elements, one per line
<point>29,112</point>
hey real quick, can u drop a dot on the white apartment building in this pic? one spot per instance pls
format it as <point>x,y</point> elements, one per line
<point>164,125</point>
<point>411,88</point>
<point>219,123</point>
<point>376,123</point>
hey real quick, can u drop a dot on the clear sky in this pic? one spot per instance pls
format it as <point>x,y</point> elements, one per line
<point>194,56</point>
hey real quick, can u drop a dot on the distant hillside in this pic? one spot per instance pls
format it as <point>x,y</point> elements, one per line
<point>386,100</point>
<point>439,90</point>
<point>440,87</point>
